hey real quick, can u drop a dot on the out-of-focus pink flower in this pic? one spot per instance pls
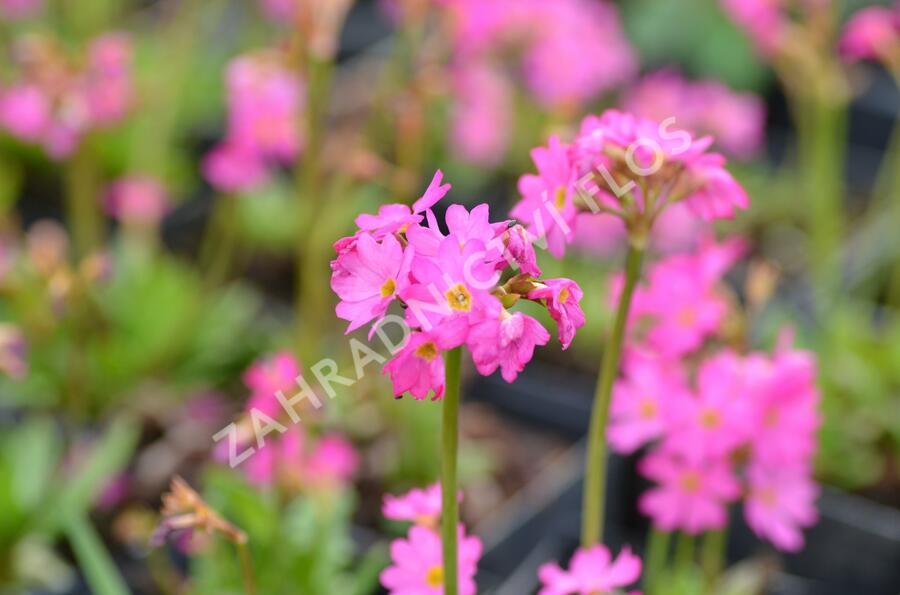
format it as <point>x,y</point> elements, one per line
<point>418,566</point>
<point>233,168</point>
<point>780,503</point>
<point>421,506</point>
<point>137,200</point>
<point>591,570</point>
<point>333,462</point>
<point>14,10</point>
<point>480,122</point>
<point>638,413</point>
<point>563,300</point>
<point>547,205</point>
<point>691,496</point>
<point>735,120</point>
<point>268,376</point>
<point>13,350</point>
<point>764,21</point>
<point>873,33</point>
<point>676,230</point>
<point>107,84</point>
<point>25,112</point>
<point>280,11</point>
<point>369,277</point>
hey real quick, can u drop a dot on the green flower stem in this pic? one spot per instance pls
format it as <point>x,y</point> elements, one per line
<point>246,568</point>
<point>685,546</point>
<point>83,201</point>
<point>594,495</point>
<point>712,557</point>
<point>449,446</point>
<point>655,559</point>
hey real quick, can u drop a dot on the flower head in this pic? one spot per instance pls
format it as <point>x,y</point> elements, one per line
<point>873,33</point>
<point>418,566</point>
<point>780,503</point>
<point>421,506</point>
<point>137,200</point>
<point>591,570</point>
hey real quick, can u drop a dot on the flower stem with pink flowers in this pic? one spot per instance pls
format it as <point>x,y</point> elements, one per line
<point>449,446</point>
<point>594,496</point>
<point>82,204</point>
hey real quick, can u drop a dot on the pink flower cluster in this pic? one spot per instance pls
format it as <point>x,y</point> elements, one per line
<point>137,200</point>
<point>418,566</point>
<point>293,459</point>
<point>14,10</point>
<point>626,166</point>
<point>264,100</point>
<point>723,426</point>
<point>568,51</point>
<point>449,284</point>
<point>591,570</point>
<point>735,120</point>
<point>873,33</point>
<point>53,103</point>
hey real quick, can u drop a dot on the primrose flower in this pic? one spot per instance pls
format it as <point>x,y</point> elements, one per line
<point>14,10</point>
<point>691,496</point>
<point>873,33</point>
<point>137,200</point>
<point>780,503</point>
<point>418,566</point>
<point>480,121</point>
<point>735,120</point>
<point>449,285</point>
<point>266,377</point>
<point>233,168</point>
<point>421,506</point>
<point>764,21</point>
<point>591,570</point>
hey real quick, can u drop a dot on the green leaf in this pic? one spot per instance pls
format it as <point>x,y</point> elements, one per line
<point>93,558</point>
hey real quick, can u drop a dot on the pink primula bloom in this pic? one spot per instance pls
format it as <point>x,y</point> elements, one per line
<point>369,277</point>
<point>332,462</point>
<point>107,85</point>
<point>520,252</point>
<point>264,106</point>
<point>718,419</point>
<point>418,567</point>
<point>691,497</point>
<point>507,343</point>
<point>25,112</point>
<point>233,168</point>
<point>873,33</point>
<point>14,10</point>
<point>268,376</point>
<point>418,368</point>
<point>397,217</point>
<point>421,506</point>
<point>718,193</point>
<point>640,400</point>
<point>780,503</point>
<point>296,461</point>
<point>735,120</point>
<point>591,570</point>
<point>480,121</point>
<point>764,21</point>
<point>13,352</point>
<point>563,300</point>
<point>547,205</point>
<point>137,200</point>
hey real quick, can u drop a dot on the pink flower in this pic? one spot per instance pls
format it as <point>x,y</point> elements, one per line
<point>781,501</point>
<point>563,300</point>
<point>420,506</point>
<point>480,121</point>
<point>520,251</point>
<point>233,168</point>
<point>25,112</point>
<point>266,377</point>
<point>264,102</point>
<point>640,400</point>
<point>507,343</point>
<point>418,567</point>
<point>764,21</point>
<point>137,200</point>
<point>591,570</point>
<point>873,33</point>
<point>369,277</point>
<point>396,217</point>
<point>332,463</point>
<point>13,352</point>
<point>14,10</point>
<point>107,84</point>
<point>418,368</point>
<point>692,496</point>
<point>547,205</point>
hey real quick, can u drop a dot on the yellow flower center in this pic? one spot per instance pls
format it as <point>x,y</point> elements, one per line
<point>687,317</point>
<point>560,201</point>
<point>647,408</point>
<point>770,419</point>
<point>710,419</point>
<point>427,351</point>
<point>690,482</point>
<point>459,298</point>
<point>563,295</point>
<point>435,576</point>
<point>767,496</point>
<point>388,289</point>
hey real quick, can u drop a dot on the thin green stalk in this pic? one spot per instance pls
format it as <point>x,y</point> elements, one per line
<point>83,201</point>
<point>712,557</point>
<point>594,496</point>
<point>685,546</point>
<point>655,559</point>
<point>217,251</point>
<point>246,568</point>
<point>449,446</point>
